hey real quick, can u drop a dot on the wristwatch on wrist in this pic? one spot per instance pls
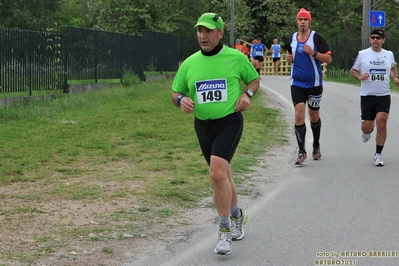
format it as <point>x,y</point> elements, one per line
<point>178,99</point>
<point>397,76</point>
<point>315,54</point>
<point>249,93</point>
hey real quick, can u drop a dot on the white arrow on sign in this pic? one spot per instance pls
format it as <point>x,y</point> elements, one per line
<point>380,19</point>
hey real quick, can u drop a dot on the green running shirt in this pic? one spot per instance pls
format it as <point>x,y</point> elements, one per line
<point>213,82</point>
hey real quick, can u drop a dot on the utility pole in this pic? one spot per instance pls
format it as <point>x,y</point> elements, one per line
<point>366,24</point>
<point>232,23</point>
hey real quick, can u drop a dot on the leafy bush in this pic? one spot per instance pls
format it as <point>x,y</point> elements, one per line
<point>129,78</point>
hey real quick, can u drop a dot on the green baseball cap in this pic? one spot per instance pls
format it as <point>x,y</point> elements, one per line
<point>211,21</point>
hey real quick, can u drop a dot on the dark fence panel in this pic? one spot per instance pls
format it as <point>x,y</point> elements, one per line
<point>81,53</point>
<point>133,55</point>
<point>40,61</point>
<point>94,55</point>
<point>344,56</point>
<point>187,46</point>
<point>161,51</point>
<point>30,61</point>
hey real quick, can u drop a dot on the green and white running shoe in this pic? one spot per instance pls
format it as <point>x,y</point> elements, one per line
<point>223,246</point>
<point>237,225</point>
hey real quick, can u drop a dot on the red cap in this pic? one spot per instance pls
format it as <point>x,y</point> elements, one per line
<point>303,13</point>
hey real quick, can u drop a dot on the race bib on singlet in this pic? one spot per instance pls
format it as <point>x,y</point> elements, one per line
<point>377,74</point>
<point>209,91</point>
<point>314,100</point>
<point>259,53</point>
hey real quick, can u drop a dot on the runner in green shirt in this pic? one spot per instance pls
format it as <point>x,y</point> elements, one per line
<point>208,85</point>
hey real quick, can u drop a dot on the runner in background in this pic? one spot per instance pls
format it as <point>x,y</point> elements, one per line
<point>307,50</point>
<point>238,46</point>
<point>257,54</point>
<point>246,50</point>
<point>275,49</point>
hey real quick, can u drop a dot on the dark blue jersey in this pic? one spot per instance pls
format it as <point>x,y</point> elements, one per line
<point>306,71</point>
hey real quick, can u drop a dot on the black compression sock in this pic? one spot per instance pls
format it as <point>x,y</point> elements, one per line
<point>316,129</point>
<point>300,133</point>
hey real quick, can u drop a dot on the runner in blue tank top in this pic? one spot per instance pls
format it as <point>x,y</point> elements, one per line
<point>259,50</point>
<point>275,49</point>
<point>306,52</point>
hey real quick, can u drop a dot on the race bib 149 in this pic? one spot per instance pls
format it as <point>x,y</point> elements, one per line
<point>214,90</point>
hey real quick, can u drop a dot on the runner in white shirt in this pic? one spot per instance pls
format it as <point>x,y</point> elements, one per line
<point>373,67</point>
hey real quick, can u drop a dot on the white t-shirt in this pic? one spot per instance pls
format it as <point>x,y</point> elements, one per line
<point>378,65</point>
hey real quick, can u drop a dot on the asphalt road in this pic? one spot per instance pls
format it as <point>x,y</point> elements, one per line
<point>341,210</point>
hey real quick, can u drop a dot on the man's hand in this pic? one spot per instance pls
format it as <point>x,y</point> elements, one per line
<point>243,103</point>
<point>364,76</point>
<point>187,105</point>
<point>309,50</point>
<point>290,58</point>
<point>396,79</point>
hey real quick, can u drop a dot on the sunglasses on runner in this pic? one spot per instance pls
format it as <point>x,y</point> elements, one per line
<point>376,37</point>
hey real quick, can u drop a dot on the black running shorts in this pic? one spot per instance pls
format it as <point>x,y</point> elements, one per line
<point>259,58</point>
<point>312,96</point>
<point>371,105</point>
<point>219,137</point>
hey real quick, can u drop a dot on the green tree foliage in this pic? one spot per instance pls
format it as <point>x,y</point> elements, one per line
<point>132,16</point>
<point>274,19</point>
<point>38,15</point>
<point>391,8</point>
<point>73,13</point>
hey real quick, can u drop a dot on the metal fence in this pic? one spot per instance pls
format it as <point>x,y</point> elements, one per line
<point>344,56</point>
<point>25,57</point>
<point>37,61</point>
<point>94,55</point>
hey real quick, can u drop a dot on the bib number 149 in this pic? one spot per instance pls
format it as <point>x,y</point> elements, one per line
<point>211,96</point>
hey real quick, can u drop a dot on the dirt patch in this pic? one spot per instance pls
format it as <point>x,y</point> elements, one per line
<point>43,229</point>
<point>75,232</point>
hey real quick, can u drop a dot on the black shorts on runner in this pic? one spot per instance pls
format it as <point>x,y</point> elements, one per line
<point>219,137</point>
<point>259,58</point>
<point>371,105</point>
<point>275,59</point>
<point>312,96</point>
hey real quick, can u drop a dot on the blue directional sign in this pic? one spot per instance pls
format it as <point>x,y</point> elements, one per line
<point>377,19</point>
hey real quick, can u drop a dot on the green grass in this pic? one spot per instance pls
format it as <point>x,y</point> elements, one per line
<point>34,93</point>
<point>154,73</point>
<point>91,81</point>
<point>115,161</point>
